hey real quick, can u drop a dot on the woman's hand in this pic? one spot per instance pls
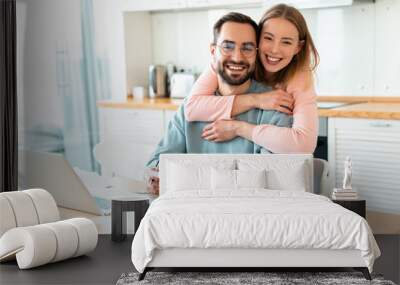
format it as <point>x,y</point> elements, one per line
<point>225,130</point>
<point>275,100</point>
<point>221,130</point>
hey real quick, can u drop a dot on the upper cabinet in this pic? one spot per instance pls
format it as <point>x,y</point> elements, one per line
<point>222,3</point>
<point>153,5</point>
<point>159,5</point>
<point>309,4</point>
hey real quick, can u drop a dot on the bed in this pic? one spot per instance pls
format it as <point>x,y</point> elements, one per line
<point>247,211</point>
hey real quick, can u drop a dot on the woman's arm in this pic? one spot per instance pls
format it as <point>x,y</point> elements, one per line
<point>301,138</point>
<point>201,106</point>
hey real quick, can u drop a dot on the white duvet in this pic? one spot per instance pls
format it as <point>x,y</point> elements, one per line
<point>252,218</point>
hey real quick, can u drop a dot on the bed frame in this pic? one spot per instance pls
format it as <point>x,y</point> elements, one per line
<point>241,259</point>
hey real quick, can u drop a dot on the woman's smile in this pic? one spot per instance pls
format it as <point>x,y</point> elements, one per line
<point>273,60</point>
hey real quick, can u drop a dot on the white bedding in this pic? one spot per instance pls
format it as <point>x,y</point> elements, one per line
<point>252,218</point>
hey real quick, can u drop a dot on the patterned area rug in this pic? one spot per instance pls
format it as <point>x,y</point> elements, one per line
<point>242,278</point>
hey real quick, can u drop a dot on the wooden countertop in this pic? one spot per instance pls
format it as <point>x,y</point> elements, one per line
<point>387,108</point>
<point>146,103</point>
<point>368,110</point>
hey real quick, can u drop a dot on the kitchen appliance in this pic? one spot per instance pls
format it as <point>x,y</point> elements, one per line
<point>171,69</point>
<point>321,150</point>
<point>157,81</point>
<point>181,84</point>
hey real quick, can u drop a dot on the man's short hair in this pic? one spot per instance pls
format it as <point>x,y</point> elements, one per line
<point>236,18</point>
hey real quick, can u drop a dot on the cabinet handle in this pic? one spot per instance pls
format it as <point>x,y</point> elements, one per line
<point>380,124</point>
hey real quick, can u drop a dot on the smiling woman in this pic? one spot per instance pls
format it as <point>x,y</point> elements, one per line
<point>286,48</point>
<point>279,42</point>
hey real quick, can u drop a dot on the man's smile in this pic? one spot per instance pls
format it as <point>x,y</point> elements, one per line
<point>236,67</point>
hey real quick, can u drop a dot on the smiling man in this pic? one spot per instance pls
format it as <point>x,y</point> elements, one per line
<point>234,52</point>
<point>235,65</point>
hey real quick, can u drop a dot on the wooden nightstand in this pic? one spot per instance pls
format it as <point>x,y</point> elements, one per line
<point>357,206</point>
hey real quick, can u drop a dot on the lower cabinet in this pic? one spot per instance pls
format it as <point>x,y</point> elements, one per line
<point>374,148</point>
<point>128,137</point>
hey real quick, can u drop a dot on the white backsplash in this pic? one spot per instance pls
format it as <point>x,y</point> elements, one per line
<point>358,45</point>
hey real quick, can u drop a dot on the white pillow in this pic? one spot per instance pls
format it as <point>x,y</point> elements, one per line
<point>189,176</point>
<point>223,179</point>
<point>237,179</point>
<point>281,174</point>
<point>293,179</point>
<point>251,179</point>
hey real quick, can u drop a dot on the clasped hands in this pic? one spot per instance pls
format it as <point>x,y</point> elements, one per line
<point>225,130</point>
<point>152,180</point>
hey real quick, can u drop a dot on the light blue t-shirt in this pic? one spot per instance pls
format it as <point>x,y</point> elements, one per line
<point>185,137</point>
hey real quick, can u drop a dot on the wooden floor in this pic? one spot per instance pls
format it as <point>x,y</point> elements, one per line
<point>111,259</point>
<point>103,266</point>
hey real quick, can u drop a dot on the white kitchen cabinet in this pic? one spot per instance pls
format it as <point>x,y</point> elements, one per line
<point>129,137</point>
<point>222,3</point>
<point>374,147</point>
<point>160,5</point>
<point>132,125</point>
<point>153,5</point>
<point>387,62</point>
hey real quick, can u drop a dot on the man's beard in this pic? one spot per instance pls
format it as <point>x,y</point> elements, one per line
<point>229,79</point>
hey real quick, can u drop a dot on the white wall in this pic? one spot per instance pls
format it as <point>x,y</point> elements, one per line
<point>359,45</point>
<point>138,48</point>
<point>109,29</point>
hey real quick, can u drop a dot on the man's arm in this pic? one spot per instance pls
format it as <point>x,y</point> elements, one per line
<point>174,140</point>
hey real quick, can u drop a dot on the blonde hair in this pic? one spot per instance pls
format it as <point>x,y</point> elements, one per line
<point>306,60</point>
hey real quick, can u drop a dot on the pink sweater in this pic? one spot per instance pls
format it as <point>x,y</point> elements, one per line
<point>301,138</point>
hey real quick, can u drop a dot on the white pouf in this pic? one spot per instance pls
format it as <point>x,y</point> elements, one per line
<point>31,233</point>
